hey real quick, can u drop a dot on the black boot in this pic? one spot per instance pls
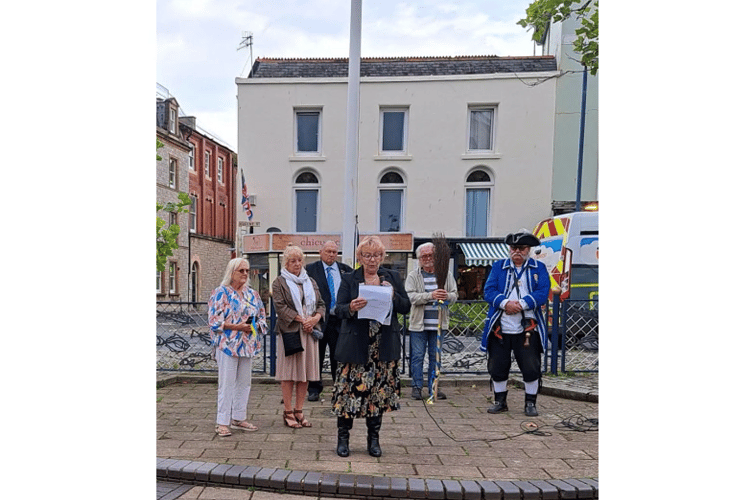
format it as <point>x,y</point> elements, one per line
<point>374,426</point>
<point>343,436</point>
<point>500,403</point>
<point>530,410</point>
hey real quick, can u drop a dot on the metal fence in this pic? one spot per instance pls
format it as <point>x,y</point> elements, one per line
<point>183,339</point>
<point>574,336</point>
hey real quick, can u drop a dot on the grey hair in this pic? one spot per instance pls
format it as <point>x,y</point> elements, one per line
<point>423,247</point>
<point>233,266</point>
<point>292,250</point>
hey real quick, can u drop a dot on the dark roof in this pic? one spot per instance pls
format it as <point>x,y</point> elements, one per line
<point>401,66</point>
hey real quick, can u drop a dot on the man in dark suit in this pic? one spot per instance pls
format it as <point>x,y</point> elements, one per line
<point>328,276</point>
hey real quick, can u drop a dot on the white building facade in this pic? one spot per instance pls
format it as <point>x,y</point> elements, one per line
<point>558,41</point>
<point>460,145</point>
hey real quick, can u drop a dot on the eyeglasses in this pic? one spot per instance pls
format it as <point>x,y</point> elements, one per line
<point>517,248</point>
<point>368,256</point>
<point>426,256</point>
<point>244,270</point>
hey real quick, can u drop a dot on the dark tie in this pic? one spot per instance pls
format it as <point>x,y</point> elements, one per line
<point>330,281</point>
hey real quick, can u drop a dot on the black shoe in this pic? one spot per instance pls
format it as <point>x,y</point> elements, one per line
<point>500,403</point>
<point>530,410</point>
<point>417,393</point>
<point>313,396</point>
<point>440,395</point>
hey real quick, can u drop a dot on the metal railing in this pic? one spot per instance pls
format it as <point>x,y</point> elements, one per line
<point>574,336</point>
<point>184,339</point>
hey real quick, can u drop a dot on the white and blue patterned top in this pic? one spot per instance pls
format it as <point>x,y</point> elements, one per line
<point>229,306</point>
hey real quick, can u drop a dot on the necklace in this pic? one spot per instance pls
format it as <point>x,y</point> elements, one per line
<point>371,281</point>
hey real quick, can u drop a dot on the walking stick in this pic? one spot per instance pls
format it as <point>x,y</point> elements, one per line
<point>441,255</point>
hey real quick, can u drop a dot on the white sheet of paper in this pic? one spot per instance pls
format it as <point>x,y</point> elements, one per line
<point>379,304</point>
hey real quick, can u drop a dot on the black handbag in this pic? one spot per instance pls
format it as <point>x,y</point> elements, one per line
<point>291,341</point>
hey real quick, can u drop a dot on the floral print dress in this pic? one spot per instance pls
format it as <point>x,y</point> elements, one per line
<point>367,390</point>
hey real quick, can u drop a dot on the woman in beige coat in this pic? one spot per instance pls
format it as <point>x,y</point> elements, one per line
<point>300,309</point>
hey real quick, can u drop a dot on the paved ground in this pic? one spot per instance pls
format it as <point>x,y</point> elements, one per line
<point>455,439</point>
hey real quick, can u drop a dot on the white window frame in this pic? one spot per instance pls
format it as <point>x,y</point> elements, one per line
<point>173,120</point>
<point>489,186</point>
<point>159,282</point>
<point>493,108</point>
<point>391,187</point>
<point>192,213</point>
<point>319,148</point>
<point>306,187</point>
<point>192,157</point>
<point>172,172</point>
<point>405,127</point>
<point>220,169</point>
<point>173,277</point>
<point>207,164</point>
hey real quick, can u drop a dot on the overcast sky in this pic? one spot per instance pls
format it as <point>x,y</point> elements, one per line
<point>198,40</point>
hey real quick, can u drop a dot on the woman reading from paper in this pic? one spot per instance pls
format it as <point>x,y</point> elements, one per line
<point>367,382</point>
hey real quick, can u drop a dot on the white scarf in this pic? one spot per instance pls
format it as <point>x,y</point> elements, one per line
<point>308,293</point>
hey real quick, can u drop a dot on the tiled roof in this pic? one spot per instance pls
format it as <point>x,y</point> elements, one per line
<point>401,66</point>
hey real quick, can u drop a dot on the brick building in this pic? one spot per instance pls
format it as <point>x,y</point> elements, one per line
<point>205,169</point>
<point>212,174</point>
<point>172,178</point>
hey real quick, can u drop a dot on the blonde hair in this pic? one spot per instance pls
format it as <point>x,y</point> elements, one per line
<point>233,266</point>
<point>372,243</point>
<point>292,251</point>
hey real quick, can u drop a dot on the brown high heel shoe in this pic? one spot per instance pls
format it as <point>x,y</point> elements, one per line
<point>301,419</point>
<point>289,419</point>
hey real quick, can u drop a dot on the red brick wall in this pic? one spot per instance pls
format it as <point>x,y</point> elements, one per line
<point>215,213</point>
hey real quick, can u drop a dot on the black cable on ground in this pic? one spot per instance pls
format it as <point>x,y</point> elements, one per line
<point>576,422</point>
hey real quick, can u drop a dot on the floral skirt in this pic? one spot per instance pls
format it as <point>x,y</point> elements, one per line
<point>367,390</point>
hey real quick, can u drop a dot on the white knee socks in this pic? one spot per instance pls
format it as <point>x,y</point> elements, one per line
<point>500,386</point>
<point>531,387</point>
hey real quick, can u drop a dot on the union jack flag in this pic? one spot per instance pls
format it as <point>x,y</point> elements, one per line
<point>246,201</point>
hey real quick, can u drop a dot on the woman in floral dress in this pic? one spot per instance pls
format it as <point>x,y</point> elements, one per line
<point>367,383</point>
<point>237,320</point>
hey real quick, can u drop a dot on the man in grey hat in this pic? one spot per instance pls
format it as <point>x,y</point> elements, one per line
<point>517,292</point>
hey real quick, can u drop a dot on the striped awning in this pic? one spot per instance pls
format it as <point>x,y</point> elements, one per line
<point>483,254</point>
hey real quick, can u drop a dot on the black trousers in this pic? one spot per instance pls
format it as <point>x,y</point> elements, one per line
<point>331,333</point>
<point>528,358</point>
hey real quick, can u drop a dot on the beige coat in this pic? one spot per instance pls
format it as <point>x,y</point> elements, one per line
<point>419,298</point>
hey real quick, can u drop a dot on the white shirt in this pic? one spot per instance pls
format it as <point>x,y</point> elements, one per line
<point>513,323</point>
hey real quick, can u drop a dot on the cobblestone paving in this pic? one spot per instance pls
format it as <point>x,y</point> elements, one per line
<point>451,439</point>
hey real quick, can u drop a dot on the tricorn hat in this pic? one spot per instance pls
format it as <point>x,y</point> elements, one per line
<point>522,238</point>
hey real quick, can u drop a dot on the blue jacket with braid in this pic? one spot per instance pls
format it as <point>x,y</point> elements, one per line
<point>500,284</point>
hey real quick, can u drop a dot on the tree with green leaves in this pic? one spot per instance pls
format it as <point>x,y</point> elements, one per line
<point>167,235</point>
<point>541,12</point>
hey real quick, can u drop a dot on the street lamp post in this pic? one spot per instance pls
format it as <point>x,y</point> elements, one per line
<point>582,137</point>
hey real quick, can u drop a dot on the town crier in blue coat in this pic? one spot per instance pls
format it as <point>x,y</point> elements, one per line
<point>517,293</point>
